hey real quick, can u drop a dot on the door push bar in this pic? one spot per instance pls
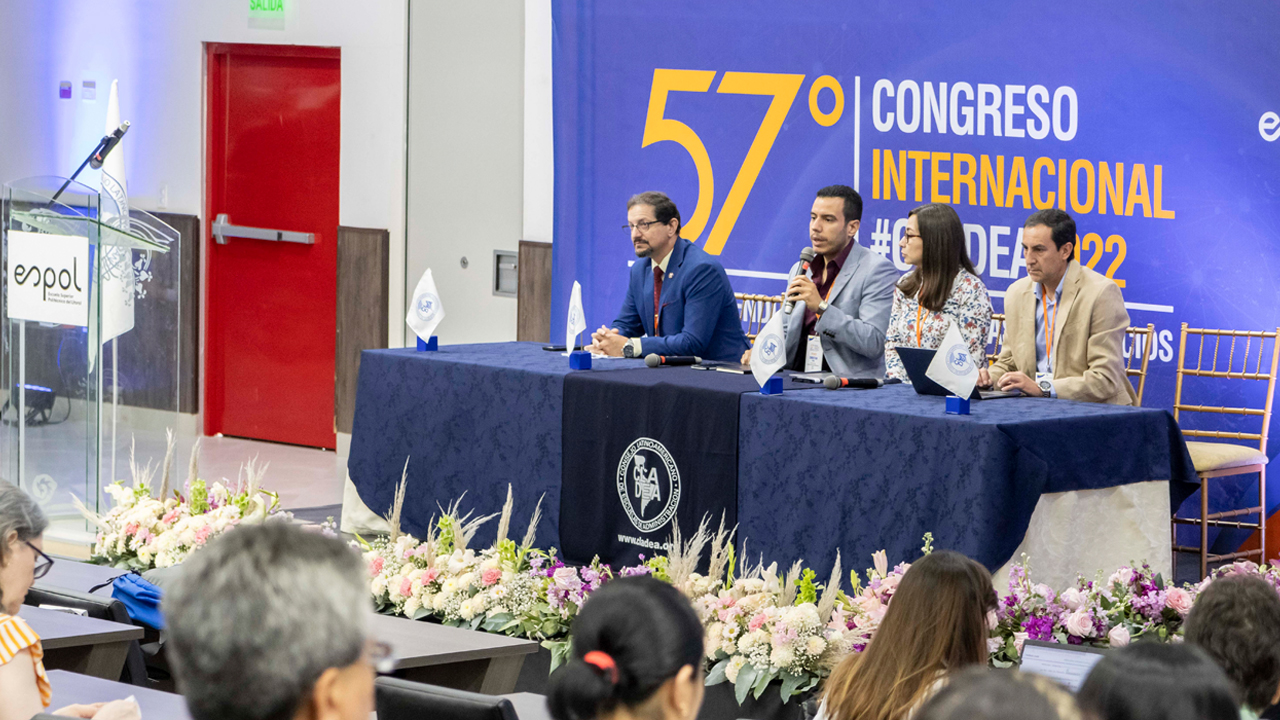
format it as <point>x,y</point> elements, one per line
<point>222,229</point>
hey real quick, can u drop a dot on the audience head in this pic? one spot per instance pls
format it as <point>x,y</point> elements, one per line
<point>22,524</point>
<point>1157,681</point>
<point>934,241</point>
<point>979,693</point>
<point>1236,620</point>
<point>936,624</point>
<point>654,222</point>
<point>637,643</point>
<point>268,623</point>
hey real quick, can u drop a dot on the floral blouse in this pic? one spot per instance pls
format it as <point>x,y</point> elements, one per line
<point>968,306</point>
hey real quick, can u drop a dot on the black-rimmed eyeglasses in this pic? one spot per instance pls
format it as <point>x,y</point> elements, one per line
<point>44,563</point>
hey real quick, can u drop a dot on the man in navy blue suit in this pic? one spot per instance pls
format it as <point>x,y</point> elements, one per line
<point>679,301</point>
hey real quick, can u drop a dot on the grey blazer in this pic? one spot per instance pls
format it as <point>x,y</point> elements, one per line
<point>852,329</point>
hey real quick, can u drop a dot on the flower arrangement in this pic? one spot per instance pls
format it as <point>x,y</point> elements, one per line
<point>143,531</point>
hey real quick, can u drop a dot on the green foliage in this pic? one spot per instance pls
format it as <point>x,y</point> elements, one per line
<point>806,591</point>
<point>928,544</point>
<point>199,497</point>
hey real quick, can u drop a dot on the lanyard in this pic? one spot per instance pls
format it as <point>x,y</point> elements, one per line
<point>1050,316</point>
<point>919,313</point>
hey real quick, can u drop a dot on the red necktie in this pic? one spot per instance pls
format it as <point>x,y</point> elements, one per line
<point>657,296</point>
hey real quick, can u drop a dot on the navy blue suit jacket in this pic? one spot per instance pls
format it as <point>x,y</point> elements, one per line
<point>699,313</point>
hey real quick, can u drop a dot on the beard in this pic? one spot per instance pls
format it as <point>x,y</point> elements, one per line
<point>644,251</point>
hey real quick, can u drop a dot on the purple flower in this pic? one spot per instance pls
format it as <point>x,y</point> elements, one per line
<point>1038,628</point>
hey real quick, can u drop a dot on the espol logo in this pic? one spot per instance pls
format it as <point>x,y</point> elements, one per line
<point>1269,126</point>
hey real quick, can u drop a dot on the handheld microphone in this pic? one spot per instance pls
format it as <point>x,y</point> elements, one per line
<point>654,360</point>
<point>806,257</point>
<point>108,144</point>
<point>835,383</point>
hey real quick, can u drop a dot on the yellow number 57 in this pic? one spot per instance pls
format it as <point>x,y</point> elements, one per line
<point>657,128</point>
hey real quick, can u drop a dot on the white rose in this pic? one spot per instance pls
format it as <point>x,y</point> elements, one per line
<point>1119,636</point>
<point>1018,639</point>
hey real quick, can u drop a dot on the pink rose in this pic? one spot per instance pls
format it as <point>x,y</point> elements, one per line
<point>1072,598</point>
<point>1018,639</point>
<point>757,621</point>
<point>890,583</point>
<point>203,534</point>
<point>491,576</point>
<point>1179,600</point>
<point>566,579</point>
<point>1080,624</point>
<point>131,528</point>
<point>994,645</point>
<point>992,620</point>
<point>170,516</point>
<point>1118,637</point>
<point>375,566</point>
<point>406,587</point>
<point>430,575</point>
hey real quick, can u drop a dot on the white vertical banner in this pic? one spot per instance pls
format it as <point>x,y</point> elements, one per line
<point>118,289</point>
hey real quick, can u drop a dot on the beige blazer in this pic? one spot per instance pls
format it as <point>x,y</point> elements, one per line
<point>1088,338</point>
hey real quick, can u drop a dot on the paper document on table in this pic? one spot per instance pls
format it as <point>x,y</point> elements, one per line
<point>953,367</point>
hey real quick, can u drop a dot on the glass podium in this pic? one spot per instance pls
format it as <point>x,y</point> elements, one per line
<point>90,357</point>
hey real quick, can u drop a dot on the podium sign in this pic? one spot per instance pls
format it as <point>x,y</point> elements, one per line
<point>48,278</point>
<point>79,388</point>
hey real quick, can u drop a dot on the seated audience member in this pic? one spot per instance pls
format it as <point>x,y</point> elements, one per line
<point>678,296</point>
<point>637,653</point>
<point>24,687</point>
<point>1157,681</point>
<point>979,693</point>
<point>1064,323</point>
<point>268,623</point>
<point>943,290</point>
<point>1236,620</point>
<point>842,302</point>
<point>935,626</point>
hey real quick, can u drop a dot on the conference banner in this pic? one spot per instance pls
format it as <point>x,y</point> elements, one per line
<point>1155,125</point>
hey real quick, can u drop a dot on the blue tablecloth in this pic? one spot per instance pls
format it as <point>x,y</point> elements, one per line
<point>866,470</point>
<point>470,418</point>
<point>817,469</point>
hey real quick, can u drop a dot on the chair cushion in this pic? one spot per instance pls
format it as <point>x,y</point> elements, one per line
<point>1208,456</point>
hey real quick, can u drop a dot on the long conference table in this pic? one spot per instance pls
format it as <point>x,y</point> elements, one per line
<point>1080,487</point>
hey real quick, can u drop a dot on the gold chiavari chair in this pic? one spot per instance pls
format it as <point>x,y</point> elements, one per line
<point>1221,459</point>
<point>755,311</point>
<point>1140,340</point>
<point>995,338</point>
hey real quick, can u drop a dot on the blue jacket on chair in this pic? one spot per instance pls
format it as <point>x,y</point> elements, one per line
<point>699,315</point>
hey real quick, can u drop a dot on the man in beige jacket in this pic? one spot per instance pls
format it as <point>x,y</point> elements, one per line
<point>1064,323</point>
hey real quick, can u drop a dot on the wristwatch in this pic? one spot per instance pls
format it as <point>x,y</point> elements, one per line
<point>1046,388</point>
<point>628,351</point>
<point>822,307</point>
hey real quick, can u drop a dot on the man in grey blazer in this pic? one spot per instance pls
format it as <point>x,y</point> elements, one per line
<point>842,302</point>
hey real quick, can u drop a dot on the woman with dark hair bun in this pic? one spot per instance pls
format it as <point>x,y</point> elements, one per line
<point>1157,681</point>
<point>637,651</point>
<point>943,290</point>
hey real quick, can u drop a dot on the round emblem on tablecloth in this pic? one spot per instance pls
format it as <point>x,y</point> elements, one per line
<point>648,484</point>
<point>958,359</point>
<point>426,306</point>
<point>771,348</point>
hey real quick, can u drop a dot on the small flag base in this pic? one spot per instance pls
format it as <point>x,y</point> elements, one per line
<point>772,386</point>
<point>580,360</point>
<point>428,345</point>
<point>957,405</point>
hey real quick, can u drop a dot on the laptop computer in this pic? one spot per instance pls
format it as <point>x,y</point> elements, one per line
<point>916,361</point>
<point>1067,664</point>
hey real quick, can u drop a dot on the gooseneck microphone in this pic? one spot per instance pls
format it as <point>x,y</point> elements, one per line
<point>108,144</point>
<point>807,256</point>
<point>654,360</point>
<point>835,383</point>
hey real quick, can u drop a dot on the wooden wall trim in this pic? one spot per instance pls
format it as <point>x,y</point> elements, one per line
<point>533,292</point>
<point>364,260</point>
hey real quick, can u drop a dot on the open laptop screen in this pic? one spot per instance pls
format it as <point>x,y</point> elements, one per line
<point>1067,664</point>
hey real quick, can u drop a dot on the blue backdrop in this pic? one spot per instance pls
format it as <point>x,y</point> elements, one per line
<point>1152,123</point>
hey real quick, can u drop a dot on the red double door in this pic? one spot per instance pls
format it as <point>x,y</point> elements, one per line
<point>272,140</point>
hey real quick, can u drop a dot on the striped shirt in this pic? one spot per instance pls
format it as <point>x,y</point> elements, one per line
<point>15,636</point>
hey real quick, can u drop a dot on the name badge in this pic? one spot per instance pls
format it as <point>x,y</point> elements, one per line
<point>1044,376</point>
<point>813,354</point>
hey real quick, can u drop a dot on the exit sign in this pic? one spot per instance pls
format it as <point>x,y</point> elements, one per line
<point>266,14</point>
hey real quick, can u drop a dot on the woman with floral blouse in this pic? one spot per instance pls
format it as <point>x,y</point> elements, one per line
<point>942,289</point>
